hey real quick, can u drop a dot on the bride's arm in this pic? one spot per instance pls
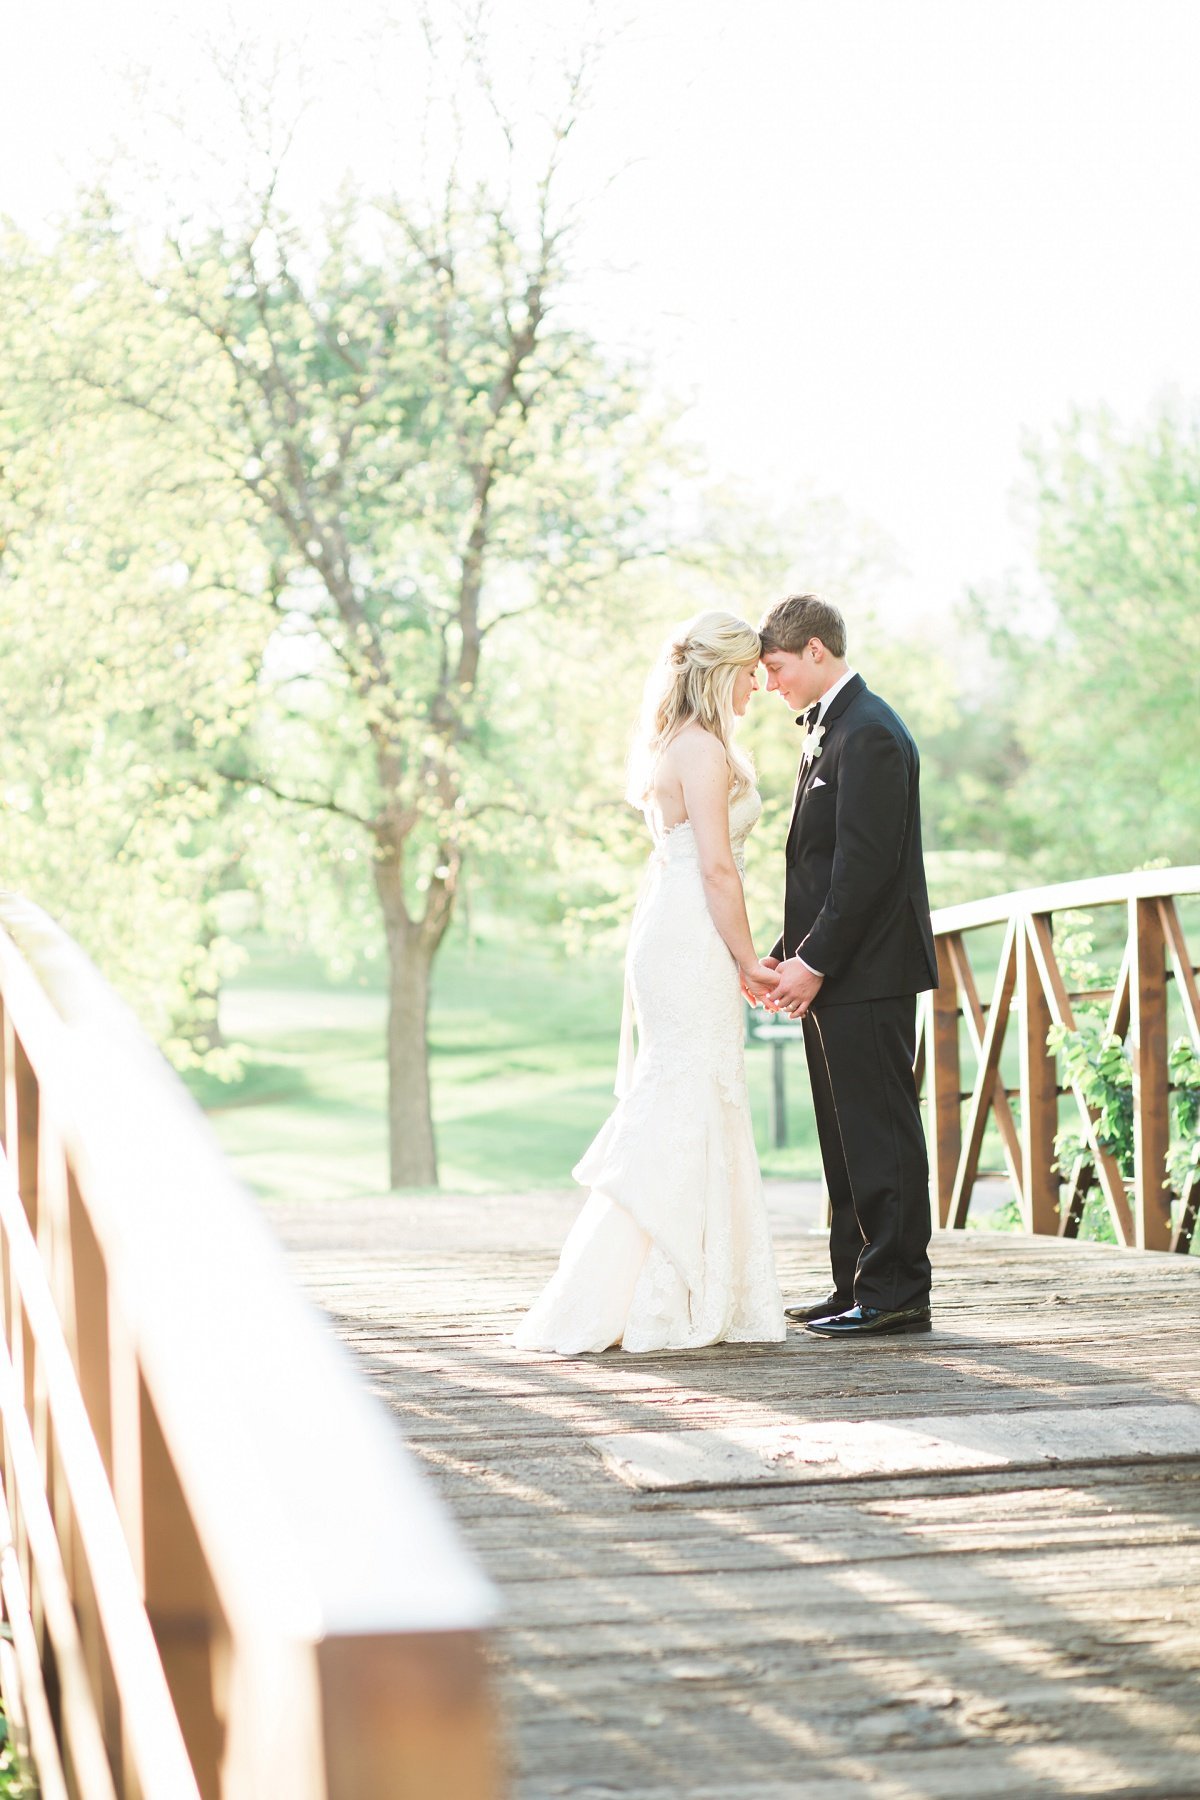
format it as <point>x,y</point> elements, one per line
<point>704,773</point>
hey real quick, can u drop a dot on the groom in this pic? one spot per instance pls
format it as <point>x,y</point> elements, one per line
<point>856,950</point>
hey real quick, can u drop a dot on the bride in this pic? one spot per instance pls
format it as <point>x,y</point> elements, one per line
<point>672,1248</point>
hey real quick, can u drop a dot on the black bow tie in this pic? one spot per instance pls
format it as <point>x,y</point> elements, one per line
<point>810,715</point>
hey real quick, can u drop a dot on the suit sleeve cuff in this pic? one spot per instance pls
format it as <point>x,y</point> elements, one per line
<point>820,973</point>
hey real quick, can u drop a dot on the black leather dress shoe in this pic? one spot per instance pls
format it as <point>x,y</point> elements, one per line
<point>865,1321</point>
<point>824,1309</point>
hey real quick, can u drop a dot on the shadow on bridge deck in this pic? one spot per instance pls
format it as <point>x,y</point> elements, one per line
<point>1021,1630</point>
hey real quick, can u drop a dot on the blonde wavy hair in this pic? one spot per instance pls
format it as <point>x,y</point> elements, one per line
<point>693,680</point>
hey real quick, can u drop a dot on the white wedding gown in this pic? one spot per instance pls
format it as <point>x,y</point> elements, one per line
<point>672,1248</point>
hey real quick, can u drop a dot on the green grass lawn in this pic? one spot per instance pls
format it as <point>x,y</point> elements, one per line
<point>524,1047</point>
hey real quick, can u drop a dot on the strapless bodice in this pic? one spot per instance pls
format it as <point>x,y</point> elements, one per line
<point>678,843</point>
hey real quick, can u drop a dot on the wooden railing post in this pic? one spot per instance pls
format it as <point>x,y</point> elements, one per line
<point>1039,1092</point>
<point>414,1719</point>
<point>943,1085</point>
<point>22,1105</point>
<point>189,1630</point>
<point>1148,1034</point>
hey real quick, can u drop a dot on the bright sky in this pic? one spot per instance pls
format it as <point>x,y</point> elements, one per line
<point>873,243</point>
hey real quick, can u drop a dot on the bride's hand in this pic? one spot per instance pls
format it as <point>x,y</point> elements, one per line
<point>757,981</point>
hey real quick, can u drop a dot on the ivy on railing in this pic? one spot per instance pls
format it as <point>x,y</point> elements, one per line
<point>1101,1066</point>
<point>12,1785</point>
<point>1183,1158</point>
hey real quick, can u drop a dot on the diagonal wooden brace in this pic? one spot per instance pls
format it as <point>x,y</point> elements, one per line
<point>1041,943</point>
<point>988,1094</point>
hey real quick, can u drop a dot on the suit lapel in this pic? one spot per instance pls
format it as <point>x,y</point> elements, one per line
<point>802,780</point>
<point>837,706</point>
<point>841,700</point>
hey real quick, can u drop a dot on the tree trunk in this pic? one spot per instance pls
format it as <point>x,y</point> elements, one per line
<point>412,1156</point>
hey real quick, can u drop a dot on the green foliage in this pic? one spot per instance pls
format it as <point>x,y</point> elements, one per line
<point>1183,1158</point>
<point>117,686</point>
<point>1100,679</point>
<point>1005,1218</point>
<point>1100,1065</point>
<point>13,1783</point>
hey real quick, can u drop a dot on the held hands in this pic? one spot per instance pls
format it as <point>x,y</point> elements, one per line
<point>795,988</point>
<point>758,980</point>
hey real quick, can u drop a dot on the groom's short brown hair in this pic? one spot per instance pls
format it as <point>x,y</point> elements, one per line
<point>792,622</point>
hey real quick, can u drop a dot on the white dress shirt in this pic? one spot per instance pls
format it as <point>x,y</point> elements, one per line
<point>827,696</point>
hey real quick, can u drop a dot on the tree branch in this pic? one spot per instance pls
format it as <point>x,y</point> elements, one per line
<point>313,801</point>
<point>546,603</point>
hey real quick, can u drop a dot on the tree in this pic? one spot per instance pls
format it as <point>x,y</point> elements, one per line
<point>1105,673</point>
<point>117,680</point>
<point>421,452</point>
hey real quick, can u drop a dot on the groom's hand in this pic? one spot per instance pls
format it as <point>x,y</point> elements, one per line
<point>797,988</point>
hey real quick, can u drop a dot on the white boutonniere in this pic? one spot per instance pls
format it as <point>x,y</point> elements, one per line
<point>810,743</point>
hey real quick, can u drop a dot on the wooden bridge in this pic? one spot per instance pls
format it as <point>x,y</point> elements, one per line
<point>961,1566</point>
<point>1017,1616</point>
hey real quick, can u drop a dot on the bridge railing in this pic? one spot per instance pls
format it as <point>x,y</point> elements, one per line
<point>960,1026</point>
<point>223,1577</point>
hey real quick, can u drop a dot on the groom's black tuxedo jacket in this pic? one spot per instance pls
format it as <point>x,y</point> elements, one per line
<point>857,907</point>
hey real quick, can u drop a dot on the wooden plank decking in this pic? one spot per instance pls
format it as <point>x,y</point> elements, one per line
<point>1020,1632</point>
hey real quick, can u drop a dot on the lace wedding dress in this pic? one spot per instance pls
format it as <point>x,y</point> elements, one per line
<point>672,1248</point>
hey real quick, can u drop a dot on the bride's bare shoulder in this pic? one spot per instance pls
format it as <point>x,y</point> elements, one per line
<point>696,748</point>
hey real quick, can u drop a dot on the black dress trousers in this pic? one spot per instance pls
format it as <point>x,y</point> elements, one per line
<point>860,1060</point>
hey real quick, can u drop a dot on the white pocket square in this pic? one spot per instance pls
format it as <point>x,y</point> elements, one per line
<point>816,782</point>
